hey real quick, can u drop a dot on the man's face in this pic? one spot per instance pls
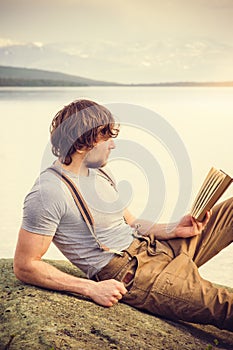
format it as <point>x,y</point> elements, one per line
<point>98,156</point>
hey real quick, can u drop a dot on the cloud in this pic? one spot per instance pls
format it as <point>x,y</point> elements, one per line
<point>38,44</point>
<point>127,61</point>
<point>5,42</point>
<point>146,63</point>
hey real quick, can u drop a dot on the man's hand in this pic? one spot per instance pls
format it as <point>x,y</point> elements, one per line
<point>108,292</point>
<point>188,226</point>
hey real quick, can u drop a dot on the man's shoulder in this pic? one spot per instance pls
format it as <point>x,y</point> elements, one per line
<point>47,180</point>
<point>47,186</point>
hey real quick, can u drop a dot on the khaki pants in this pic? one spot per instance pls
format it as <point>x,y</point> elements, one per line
<point>162,276</point>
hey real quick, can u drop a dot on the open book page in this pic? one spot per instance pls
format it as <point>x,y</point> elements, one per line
<point>214,185</point>
<point>211,183</point>
<point>203,192</point>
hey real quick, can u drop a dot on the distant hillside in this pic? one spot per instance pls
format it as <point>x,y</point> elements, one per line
<point>190,84</point>
<point>17,76</point>
<point>14,76</point>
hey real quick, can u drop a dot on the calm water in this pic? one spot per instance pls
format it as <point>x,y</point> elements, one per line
<point>202,117</point>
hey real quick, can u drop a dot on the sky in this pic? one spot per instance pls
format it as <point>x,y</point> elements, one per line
<point>140,40</point>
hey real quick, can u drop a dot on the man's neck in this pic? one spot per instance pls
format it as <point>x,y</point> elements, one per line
<point>77,166</point>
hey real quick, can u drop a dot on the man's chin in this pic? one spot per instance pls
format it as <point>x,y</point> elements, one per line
<point>96,165</point>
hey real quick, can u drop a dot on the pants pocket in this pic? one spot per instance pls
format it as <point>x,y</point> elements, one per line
<point>145,269</point>
<point>179,278</point>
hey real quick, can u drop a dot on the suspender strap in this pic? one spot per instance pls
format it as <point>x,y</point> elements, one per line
<point>108,177</point>
<point>83,208</point>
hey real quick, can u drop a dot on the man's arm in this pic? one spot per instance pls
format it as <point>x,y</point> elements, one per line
<point>186,227</point>
<point>29,268</point>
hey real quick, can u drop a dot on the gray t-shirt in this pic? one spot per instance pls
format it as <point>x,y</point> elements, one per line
<point>49,209</point>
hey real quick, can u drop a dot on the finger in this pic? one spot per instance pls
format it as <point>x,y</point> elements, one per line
<point>119,296</point>
<point>206,219</point>
<point>114,300</point>
<point>208,215</point>
<point>197,226</point>
<point>121,288</point>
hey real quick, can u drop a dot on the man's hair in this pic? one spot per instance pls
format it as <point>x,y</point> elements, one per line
<point>80,125</point>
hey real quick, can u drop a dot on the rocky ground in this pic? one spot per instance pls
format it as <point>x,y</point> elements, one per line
<point>34,318</point>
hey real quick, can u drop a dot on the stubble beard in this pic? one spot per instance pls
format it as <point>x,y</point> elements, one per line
<point>95,165</point>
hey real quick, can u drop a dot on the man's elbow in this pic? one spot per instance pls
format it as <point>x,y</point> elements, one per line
<point>22,271</point>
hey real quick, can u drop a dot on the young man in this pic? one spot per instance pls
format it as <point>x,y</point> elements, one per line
<point>149,266</point>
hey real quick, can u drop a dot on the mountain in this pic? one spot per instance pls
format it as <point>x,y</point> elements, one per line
<point>59,58</point>
<point>147,61</point>
<point>16,76</point>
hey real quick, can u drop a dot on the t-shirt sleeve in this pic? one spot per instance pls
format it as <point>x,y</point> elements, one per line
<point>42,212</point>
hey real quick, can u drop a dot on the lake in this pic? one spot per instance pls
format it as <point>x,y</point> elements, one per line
<point>197,128</point>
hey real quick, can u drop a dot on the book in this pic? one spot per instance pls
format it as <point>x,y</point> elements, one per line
<point>213,187</point>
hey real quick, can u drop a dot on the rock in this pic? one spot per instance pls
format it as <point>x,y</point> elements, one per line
<point>35,318</point>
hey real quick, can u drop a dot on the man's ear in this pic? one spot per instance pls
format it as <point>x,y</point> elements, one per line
<point>84,150</point>
<point>80,151</point>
